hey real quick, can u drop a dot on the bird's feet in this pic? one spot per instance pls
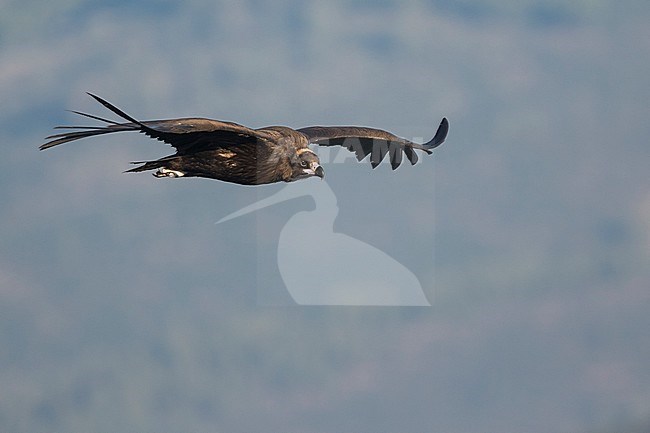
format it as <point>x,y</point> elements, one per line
<point>164,172</point>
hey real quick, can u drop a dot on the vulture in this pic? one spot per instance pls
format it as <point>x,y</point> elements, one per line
<point>234,153</point>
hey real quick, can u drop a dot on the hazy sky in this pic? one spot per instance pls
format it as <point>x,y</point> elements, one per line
<point>124,307</point>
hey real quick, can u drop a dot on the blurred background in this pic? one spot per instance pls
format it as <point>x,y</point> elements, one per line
<point>124,308</point>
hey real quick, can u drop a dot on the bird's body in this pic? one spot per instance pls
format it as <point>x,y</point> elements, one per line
<point>234,153</point>
<point>267,158</point>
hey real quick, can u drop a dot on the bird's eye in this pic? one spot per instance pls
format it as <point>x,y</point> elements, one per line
<point>304,164</point>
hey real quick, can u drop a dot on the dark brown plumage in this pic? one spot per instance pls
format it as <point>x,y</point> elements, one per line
<point>234,153</point>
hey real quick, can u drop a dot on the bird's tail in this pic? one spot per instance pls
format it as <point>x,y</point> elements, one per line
<point>146,165</point>
<point>152,165</point>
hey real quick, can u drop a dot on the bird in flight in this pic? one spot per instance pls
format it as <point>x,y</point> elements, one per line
<point>231,152</point>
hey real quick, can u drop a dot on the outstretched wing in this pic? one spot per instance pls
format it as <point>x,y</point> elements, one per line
<point>187,135</point>
<point>374,142</point>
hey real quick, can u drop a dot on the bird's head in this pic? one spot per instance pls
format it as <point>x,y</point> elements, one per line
<point>306,164</point>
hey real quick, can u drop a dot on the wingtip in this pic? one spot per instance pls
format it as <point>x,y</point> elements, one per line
<point>441,134</point>
<point>52,143</point>
<point>102,101</point>
<point>95,97</point>
<point>114,109</point>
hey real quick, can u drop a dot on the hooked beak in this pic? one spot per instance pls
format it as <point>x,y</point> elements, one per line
<point>319,172</point>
